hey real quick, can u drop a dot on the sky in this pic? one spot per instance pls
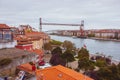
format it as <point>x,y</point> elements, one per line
<point>97,14</point>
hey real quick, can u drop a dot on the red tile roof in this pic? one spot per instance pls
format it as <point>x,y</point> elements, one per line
<point>26,67</point>
<point>26,38</point>
<point>4,26</point>
<point>37,51</point>
<point>24,43</point>
<point>60,73</point>
<point>36,34</point>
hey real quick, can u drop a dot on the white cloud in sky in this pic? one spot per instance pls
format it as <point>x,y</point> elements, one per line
<point>96,13</point>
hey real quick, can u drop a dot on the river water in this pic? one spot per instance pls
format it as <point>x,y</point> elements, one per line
<point>109,48</point>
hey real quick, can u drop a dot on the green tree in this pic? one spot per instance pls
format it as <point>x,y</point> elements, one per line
<point>68,56</point>
<point>83,53</point>
<point>54,42</point>
<point>56,57</point>
<point>101,63</point>
<point>105,74</point>
<point>68,45</point>
<point>110,72</point>
<point>85,64</point>
<point>115,71</point>
<point>57,50</point>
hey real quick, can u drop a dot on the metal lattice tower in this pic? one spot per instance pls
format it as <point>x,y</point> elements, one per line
<point>40,24</point>
<point>82,28</point>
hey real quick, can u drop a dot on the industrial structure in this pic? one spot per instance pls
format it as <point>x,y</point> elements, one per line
<point>60,24</point>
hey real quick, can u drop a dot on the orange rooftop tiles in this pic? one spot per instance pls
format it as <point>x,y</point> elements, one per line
<point>33,33</point>
<point>37,51</point>
<point>26,67</point>
<point>60,73</point>
<point>4,26</point>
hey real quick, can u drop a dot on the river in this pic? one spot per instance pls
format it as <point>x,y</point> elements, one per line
<point>109,48</point>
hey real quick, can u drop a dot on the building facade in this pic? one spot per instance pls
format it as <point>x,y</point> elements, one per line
<point>6,37</point>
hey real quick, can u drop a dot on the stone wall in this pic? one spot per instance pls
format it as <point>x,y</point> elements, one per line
<point>11,68</point>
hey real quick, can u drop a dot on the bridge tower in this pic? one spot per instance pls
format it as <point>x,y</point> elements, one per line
<point>82,29</point>
<point>40,25</point>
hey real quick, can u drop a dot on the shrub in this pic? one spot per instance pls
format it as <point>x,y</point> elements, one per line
<point>31,63</point>
<point>23,56</point>
<point>5,61</point>
<point>54,42</point>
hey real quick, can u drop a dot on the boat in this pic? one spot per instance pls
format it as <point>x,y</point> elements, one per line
<point>84,37</point>
<point>74,37</point>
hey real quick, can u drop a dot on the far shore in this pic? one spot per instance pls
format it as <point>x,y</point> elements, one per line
<point>95,38</point>
<point>104,39</point>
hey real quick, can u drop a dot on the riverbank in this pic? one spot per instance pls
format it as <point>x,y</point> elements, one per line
<point>116,62</point>
<point>104,39</point>
<point>94,38</point>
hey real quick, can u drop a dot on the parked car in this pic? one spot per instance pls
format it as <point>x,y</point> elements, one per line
<point>46,65</point>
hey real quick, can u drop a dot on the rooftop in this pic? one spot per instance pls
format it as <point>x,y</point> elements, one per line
<point>37,51</point>
<point>4,26</point>
<point>28,38</point>
<point>60,73</point>
<point>26,67</point>
<point>24,43</point>
<point>36,34</point>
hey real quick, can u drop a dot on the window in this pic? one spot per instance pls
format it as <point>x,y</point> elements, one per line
<point>7,35</point>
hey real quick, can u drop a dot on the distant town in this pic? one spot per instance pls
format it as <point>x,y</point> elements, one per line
<point>100,34</point>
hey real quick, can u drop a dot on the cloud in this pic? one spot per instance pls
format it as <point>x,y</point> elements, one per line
<point>96,13</point>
